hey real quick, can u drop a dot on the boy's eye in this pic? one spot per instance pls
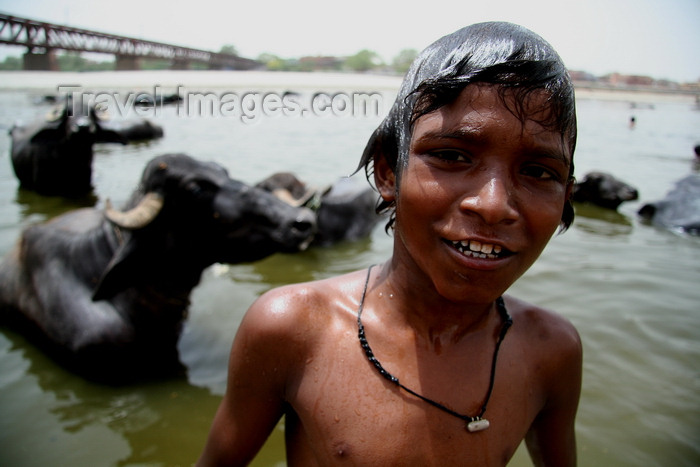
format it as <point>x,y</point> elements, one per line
<point>450,155</point>
<point>540,172</point>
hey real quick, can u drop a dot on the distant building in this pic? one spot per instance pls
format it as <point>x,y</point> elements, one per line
<point>620,80</point>
<point>577,75</point>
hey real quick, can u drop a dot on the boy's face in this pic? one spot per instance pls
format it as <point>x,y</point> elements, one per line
<point>481,195</point>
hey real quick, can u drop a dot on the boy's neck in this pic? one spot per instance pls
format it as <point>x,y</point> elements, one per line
<point>432,317</point>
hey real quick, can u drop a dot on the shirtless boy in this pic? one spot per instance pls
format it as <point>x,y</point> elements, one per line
<point>417,361</point>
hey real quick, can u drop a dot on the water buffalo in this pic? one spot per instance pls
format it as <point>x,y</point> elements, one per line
<point>679,210</point>
<point>106,291</point>
<point>150,100</point>
<point>53,156</point>
<point>603,189</point>
<point>344,212</point>
<point>136,130</point>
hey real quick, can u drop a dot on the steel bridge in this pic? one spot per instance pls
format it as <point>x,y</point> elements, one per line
<point>43,39</point>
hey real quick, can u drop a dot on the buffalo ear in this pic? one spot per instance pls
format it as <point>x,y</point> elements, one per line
<point>119,272</point>
<point>53,128</point>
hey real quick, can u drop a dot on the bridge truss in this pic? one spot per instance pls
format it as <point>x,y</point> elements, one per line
<point>43,38</point>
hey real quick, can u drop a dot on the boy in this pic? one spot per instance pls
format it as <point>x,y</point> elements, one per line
<point>419,361</point>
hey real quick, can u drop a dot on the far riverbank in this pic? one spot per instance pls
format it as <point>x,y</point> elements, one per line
<point>168,81</point>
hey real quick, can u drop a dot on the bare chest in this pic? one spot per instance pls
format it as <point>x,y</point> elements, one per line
<point>343,409</point>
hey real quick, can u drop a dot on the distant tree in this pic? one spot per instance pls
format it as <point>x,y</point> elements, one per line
<point>11,63</point>
<point>155,64</point>
<point>228,49</point>
<point>271,62</point>
<point>364,60</point>
<point>403,60</point>
<point>90,65</point>
<point>73,61</point>
<point>275,63</point>
<point>70,61</point>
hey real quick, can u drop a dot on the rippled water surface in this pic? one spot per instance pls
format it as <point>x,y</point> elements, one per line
<point>632,290</point>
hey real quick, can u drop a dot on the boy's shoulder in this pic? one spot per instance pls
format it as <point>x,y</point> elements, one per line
<point>548,349</point>
<point>542,327</point>
<point>306,306</point>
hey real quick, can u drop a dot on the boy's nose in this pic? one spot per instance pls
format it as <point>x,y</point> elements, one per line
<point>492,200</point>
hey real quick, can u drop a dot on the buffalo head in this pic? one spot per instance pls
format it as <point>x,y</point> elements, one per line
<point>345,211</point>
<point>54,155</point>
<point>187,214</point>
<point>603,189</point>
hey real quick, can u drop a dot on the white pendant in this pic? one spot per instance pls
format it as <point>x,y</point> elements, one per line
<point>477,425</point>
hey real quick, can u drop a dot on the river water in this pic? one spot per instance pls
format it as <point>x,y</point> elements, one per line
<point>631,289</point>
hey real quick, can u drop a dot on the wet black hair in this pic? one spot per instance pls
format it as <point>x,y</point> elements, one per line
<point>510,56</point>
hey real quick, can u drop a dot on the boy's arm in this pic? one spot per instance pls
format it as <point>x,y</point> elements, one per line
<point>551,440</point>
<point>254,398</point>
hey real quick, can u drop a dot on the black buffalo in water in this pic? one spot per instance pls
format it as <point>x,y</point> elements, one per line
<point>344,212</point>
<point>136,130</point>
<point>53,156</point>
<point>107,291</point>
<point>150,100</point>
<point>604,190</point>
<point>679,210</point>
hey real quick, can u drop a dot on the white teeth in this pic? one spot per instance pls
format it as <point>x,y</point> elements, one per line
<point>478,249</point>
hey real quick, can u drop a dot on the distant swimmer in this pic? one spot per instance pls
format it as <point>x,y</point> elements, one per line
<point>633,122</point>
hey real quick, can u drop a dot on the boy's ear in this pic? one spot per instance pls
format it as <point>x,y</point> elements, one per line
<point>568,214</point>
<point>570,188</point>
<point>384,178</point>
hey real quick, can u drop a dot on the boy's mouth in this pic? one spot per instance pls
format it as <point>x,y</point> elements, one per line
<point>476,249</point>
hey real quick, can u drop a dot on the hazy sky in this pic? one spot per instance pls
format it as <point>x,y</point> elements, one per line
<point>659,38</point>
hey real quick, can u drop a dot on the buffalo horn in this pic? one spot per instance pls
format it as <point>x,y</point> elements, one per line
<point>139,216</point>
<point>286,196</point>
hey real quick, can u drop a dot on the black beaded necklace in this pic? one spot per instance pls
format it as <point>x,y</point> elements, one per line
<point>476,423</point>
